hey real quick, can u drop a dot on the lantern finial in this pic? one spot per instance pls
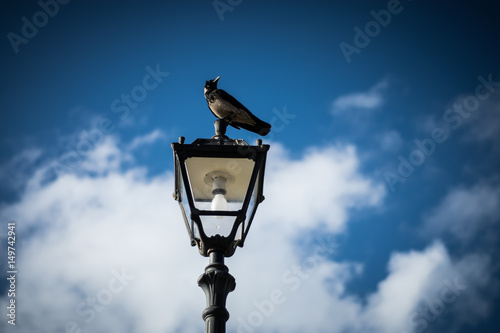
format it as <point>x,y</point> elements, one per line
<point>220,129</point>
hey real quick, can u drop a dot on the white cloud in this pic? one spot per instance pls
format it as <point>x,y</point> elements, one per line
<point>147,139</point>
<point>478,123</point>
<point>397,296</point>
<point>78,230</point>
<point>319,188</point>
<point>422,285</point>
<point>476,271</point>
<point>316,300</point>
<point>465,212</point>
<point>14,171</point>
<point>369,99</point>
<point>485,121</point>
<point>105,157</point>
<point>391,141</point>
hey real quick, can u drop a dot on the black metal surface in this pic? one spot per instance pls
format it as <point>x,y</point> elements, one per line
<point>217,283</point>
<point>220,129</point>
<point>221,147</point>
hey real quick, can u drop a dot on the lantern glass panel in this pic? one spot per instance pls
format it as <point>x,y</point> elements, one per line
<point>184,203</point>
<point>236,173</point>
<point>217,225</point>
<point>196,232</point>
<point>253,201</point>
<point>239,234</point>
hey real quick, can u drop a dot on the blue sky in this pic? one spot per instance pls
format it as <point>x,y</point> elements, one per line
<point>382,185</point>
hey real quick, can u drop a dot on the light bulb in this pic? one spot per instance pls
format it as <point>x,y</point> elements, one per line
<point>219,202</point>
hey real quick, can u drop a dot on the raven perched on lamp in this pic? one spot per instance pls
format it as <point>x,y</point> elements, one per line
<point>226,107</point>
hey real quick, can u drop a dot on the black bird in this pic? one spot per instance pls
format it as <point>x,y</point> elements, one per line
<point>226,107</point>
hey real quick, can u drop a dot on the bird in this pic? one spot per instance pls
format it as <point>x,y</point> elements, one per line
<point>227,108</point>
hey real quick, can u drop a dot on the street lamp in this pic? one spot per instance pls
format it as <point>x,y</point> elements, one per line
<point>218,184</point>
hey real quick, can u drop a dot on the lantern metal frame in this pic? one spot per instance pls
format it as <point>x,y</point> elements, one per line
<point>218,146</point>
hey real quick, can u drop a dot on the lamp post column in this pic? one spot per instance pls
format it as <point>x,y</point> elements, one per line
<point>217,283</point>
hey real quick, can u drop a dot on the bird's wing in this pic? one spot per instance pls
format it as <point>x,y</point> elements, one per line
<point>242,114</point>
<point>237,114</point>
<point>225,96</point>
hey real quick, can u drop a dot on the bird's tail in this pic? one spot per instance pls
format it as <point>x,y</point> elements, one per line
<point>261,128</point>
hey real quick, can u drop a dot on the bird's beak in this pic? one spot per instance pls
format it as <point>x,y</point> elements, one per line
<point>216,79</point>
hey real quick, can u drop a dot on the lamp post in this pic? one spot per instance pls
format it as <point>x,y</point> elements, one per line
<point>218,184</point>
